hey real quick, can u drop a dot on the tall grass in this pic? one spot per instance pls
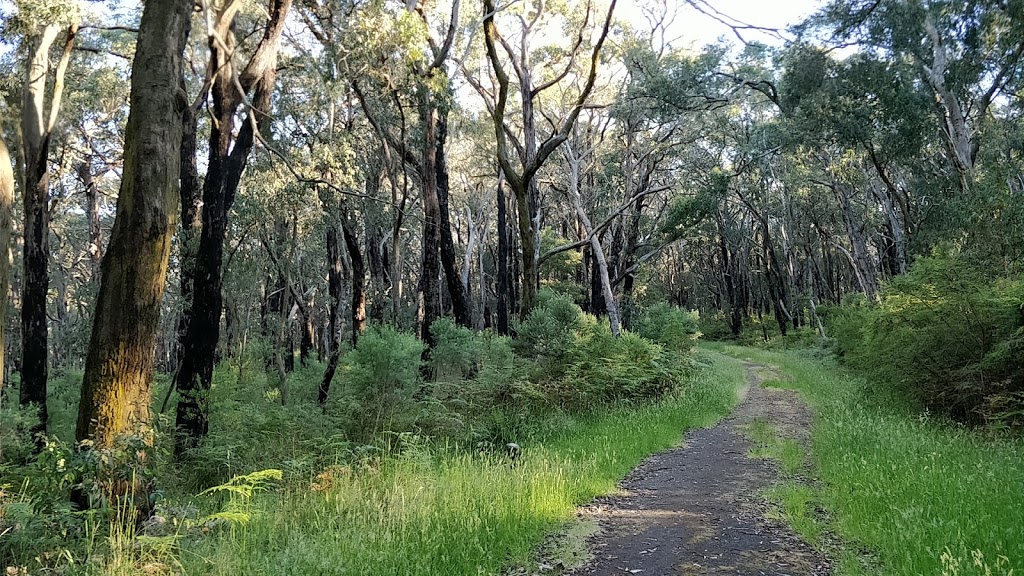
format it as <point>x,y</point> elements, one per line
<point>439,510</point>
<point>924,496</point>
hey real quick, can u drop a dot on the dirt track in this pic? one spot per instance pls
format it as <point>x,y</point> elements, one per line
<point>699,508</point>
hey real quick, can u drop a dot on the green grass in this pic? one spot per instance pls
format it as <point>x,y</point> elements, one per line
<point>795,504</point>
<point>768,444</point>
<point>921,496</point>
<point>443,511</point>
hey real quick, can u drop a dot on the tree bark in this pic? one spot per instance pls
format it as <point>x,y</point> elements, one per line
<point>430,266</point>
<point>117,385</point>
<point>461,306</point>
<point>334,287</point>
<point>504,288</point>
<point>191,195</point>
<point>92,218</point>
<point>574,159</point>
<point>602,265</point>
<point>36,129</point>
<point>6,207</point>
<point>228,155</point>
<point>355,256</point>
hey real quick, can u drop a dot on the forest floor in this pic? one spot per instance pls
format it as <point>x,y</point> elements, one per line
<point>702,507</point>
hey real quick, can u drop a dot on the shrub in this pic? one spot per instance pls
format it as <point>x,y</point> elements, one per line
<point>714,326</point>
<point>672,327</point>
<point>382,376</point>
<point>456,351</point>
<point>944,336</point>
<point>604,368</point>
<point>548,334</point>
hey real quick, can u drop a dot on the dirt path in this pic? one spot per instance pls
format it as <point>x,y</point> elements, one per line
<point>699,508</point>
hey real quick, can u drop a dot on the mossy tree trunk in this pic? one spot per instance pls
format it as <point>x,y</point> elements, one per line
<point>117,385</point>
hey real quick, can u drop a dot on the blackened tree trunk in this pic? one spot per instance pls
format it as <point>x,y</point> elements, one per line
<point>191,195</point>
<point>430,267</point>
<point>461,304</point>
<point>504,288</point>
<point>116,387</point>
<point>228,155</point>
<point>355,256</point>
<point>36,129</point>
<point>334,287</point>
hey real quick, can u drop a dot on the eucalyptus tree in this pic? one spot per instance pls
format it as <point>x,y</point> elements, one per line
<point>117,385</point>
<point>519,153</point>
<point>231,89</point>
<point>41,26</point>
<point>6,207</point>
<point>418,79</point>
<point>966,53</point>
<point>579,153</point>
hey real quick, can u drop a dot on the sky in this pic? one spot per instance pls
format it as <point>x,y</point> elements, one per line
<point>691,27</point>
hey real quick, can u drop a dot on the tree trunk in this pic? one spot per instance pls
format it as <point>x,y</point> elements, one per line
<point>334,287</point>
<point>228,155</point>
<point>116,387</point>
<point>430,267</point>
<point>191,195</point>
<point>461,306</point>
<point>6,207</point>
<point>595,244</point>
<point>92,218</point>
<point>863,267</point>
<point>36,129</point>
<point>504,288</point>
<point>358,280</point>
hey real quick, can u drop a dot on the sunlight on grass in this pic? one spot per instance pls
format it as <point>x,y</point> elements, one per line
<point>445,511</point>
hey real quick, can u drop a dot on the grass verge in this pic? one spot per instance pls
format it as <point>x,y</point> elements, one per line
<point>436,510</point>
<point>921,496</point>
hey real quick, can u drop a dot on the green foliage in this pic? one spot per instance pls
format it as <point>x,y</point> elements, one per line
<point>604,368</point>
<point>947,337</point>
<point>382,375</point>
<point>714,326</point>
<point>672,327</point>
<point>38,519</point>
<point>456,351</point>
<point>549,331</point>
<point>239,492</point>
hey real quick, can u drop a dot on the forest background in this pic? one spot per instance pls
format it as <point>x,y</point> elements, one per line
<point>465,222</point>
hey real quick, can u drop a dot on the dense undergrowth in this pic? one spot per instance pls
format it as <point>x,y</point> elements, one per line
<point>404,471</point>
<point>948,337</point>
<point>905,492</point>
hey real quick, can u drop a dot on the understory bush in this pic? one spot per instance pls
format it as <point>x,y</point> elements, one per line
<point>672,327</point>
<point>474,392</point>
<point>946,336</point>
